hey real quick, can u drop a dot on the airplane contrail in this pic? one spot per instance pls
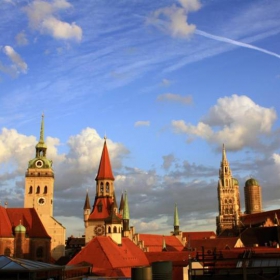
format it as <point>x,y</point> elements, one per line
<point>234,42</point>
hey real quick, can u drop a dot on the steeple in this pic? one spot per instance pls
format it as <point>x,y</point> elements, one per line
<point>87,203</point>
<point>121,205</point>
<point>125,216</point>
<point>126,207</point>
<point>176,221</point>
<point>105,169</point>
<point>224,156</point>
<point>41,147</point>
<point>86,210</point>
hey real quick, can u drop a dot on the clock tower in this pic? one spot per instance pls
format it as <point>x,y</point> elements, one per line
<point>39,180</point>
<point>39,194</point>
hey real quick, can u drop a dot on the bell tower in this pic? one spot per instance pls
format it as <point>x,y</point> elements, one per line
<point>39,179</point>
<point>39,194</point>
<point>228,198</point>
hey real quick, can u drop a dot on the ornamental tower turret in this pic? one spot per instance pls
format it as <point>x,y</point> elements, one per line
<point>228,197</point>
<point>126,216</point>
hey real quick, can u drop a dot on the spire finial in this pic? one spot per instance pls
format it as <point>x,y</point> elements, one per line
<point>224,152</point>
<point>42,129</point>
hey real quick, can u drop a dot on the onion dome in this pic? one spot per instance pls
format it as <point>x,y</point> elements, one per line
<point>20,228</point>
<point>251,182</point>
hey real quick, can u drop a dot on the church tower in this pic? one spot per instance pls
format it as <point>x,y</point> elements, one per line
<point>104,218</point>
<point>39,194</point>
<point>39,180</point>
<point>228,198</point>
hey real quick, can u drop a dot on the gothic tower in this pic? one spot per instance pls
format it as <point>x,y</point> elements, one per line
<point>228,198</point>
<point>39,194</point>
<point>104,218</point>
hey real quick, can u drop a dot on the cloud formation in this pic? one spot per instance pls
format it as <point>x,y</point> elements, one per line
<point>236,120</point>
<point>175,98</point>
<point>18,66</point>
<point>142,123</point>
<point>174,19</point>
<point>43,17</point>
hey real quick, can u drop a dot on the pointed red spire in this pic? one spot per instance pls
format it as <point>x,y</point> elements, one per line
<point>105,170</point>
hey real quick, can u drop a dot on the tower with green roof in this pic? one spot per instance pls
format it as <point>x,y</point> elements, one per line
<point>39,194</point>
<point>39,179</point>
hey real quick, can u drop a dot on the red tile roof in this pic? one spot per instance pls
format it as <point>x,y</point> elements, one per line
<point>28,218</point>
<point>259,218</point>
<point>105,169</point>
<point>192,235</point>
<point>216,243</point>
<point>109,259</point>
<point>5,224</point>
<point>106,208</point>
<point>154,242</point>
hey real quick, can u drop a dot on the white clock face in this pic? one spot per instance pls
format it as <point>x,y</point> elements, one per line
<point>39,163</point>
<point>41,200</point>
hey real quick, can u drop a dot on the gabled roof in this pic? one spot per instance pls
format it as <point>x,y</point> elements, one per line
<point>5,224</point>
<point>28,218</point>
<point>259,218</point>
<point>105,169</point>
<point>106,203</point>
<point>109,259</point>
<point>215,244</point>
<point>193,235</point>
<point>154,242</point>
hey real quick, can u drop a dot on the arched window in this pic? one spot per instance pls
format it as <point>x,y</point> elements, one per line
<point>225,200</point>
<point>226,211</point>
<point>101,187</point>
<point>226,182</point>
<point>38,189</point>
<point>109,229</point>
<point>45,189</point>
<point>30,189</point>
<point>39,252</point>
<point>115,229</point>
<point>107,187</point>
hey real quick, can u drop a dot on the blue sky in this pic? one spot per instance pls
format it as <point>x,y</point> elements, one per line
<point>168,82</point>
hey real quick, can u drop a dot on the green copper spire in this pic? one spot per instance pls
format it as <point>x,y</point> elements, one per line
<point>176,221</point>
<point>41,143</point>
<point>176,216</point>
<point>125,208</point>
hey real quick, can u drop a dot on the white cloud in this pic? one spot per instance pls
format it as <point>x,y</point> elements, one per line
<point>175,97</point>
<point>142,123</point>
<point>21,39</point>
<point>236,121</point>
<point>19,63</point>
<point>173,19</point>
<point>42,17</point>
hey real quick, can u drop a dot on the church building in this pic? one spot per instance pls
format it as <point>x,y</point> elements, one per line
<point>105,219</point>
<point>39,194</point>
